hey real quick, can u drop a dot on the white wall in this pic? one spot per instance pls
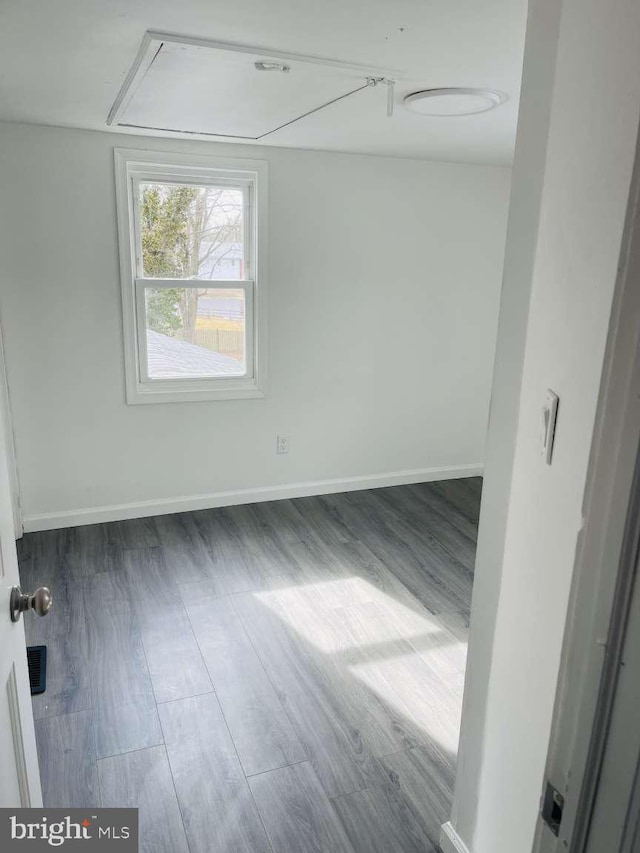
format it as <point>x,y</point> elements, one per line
<point>595,108</point>
<point>522,233</point>
<point>384,285</point>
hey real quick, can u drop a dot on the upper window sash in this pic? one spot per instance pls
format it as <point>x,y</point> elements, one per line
<point>247,187</point>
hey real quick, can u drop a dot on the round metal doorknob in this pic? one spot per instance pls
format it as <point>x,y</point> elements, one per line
<point>39,601</point>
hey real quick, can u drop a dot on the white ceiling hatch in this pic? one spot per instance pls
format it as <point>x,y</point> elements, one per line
<point>188,85</point>
<point>64,63</point>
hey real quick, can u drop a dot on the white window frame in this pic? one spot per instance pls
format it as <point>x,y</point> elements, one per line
<point>133,167</point>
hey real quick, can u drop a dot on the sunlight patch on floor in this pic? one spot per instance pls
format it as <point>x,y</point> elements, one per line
<point>408,659</point>
<point>330,614</point>
<point>406,684</point>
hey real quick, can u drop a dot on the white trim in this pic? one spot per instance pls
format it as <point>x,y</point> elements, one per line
<point>164,506</point>
<point>450,841</point>
<point>133,163</point>
<point>10,444</point>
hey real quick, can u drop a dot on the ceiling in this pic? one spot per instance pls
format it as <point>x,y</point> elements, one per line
<point>63,63</point>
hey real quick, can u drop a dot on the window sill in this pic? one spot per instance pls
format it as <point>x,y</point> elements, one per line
<point>149,394</point>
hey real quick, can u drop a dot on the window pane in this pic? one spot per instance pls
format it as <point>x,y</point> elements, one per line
<point>192,232</point>
<point>195,332</point>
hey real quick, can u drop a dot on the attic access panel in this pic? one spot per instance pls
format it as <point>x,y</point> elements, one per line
<point>216,89</point>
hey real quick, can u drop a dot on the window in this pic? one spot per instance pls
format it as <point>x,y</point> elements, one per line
<point>192,236</point>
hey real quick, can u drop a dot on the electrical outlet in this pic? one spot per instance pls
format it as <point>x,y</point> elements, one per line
<point>282,443</point>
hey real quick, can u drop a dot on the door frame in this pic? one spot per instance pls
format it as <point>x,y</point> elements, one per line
<point>7,423</point>
<point>605,563</point>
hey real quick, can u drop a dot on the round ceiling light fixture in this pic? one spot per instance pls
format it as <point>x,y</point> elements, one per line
<point>453,101</point>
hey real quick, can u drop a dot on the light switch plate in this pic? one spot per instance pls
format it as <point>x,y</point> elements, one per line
<point>549,418</point>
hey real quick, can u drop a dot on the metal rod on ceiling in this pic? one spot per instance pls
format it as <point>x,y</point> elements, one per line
<point>370,81</point>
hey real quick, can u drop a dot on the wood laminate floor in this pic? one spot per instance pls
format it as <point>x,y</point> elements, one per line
<point>276,678</point>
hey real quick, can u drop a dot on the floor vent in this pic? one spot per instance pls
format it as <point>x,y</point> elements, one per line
<point>37,660</point>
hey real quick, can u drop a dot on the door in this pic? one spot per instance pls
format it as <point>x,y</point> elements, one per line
<point>19,774</point>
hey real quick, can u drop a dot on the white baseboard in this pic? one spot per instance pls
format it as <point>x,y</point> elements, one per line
<point>450,841</point>
<point>164,506</point>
